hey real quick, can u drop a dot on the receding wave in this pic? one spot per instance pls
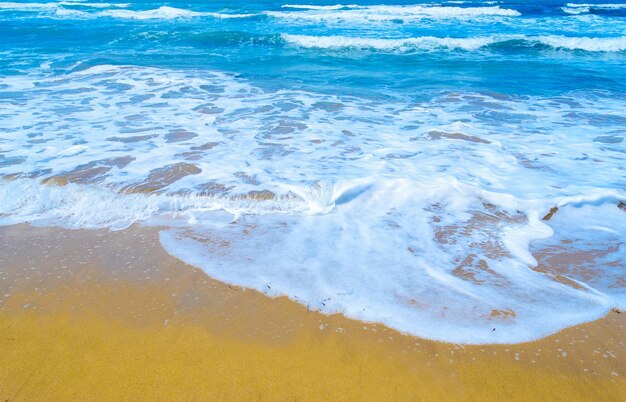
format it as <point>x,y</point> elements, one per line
<point>90,206</point>
<point>613,44</point>
<point>420,256</point>
<point>26,6</point>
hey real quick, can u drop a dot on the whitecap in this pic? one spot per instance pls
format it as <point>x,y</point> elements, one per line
<point>608,44</point>
<point>386,13</point>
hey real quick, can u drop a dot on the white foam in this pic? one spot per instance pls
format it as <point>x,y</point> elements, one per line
<point>389,265</point>
<point>94,5</point>
<point>163,13</point>
<point>56,5</point>
<point>611,44</point>
<point>115,10</point>
<point>575,10</point>
<point>383,13</point>
<point>376,258</point>
<point>584,8</point>
<point>423,43</point>
<point>316,7</point>
<point>595,233</point>
<point>26,6</point>
<point>89,206</point>
<point>606,6</point>
<point>415,214</point>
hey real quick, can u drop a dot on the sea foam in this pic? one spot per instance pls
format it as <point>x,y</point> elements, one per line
<point>609,44</point>
<point>76,10</point>
<point>425,258</point>
<point>56,5</point>
<point>437,259</point>
<point>584,8</point>
<point>161,13</point>
<point>385,13</point>
<point>421,43</point>
<point>417,214</point>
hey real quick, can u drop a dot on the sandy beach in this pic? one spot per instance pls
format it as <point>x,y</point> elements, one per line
<point>100,315</point>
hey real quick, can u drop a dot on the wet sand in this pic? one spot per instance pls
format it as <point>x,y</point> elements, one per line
<point>99,315</point>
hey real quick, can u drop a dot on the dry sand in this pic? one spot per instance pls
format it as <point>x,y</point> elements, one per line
<point>98,315</point>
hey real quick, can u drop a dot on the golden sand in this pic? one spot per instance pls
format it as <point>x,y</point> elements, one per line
<point>94,315</point>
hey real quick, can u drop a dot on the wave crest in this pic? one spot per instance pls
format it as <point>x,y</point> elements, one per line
<point>113,10</point>
<point>586,8</point>
<point>384,13</point>
<point>611,44</point>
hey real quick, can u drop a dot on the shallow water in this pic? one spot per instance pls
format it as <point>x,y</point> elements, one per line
<point>393,162</point>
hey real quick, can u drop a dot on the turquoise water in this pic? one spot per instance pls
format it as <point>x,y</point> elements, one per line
<point>390,161</point>
<point>539,48</point>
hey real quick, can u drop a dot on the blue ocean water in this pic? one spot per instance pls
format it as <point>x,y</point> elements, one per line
<point>392,161</point>
<point>524,48</point>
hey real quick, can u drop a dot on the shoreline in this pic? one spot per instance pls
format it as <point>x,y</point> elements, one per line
<point>110,315</point>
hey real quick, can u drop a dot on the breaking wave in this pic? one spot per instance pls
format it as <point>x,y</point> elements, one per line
<point>381,13</point>
<point>611,44</point>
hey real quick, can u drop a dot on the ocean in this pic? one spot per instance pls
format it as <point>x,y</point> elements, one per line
<point>454,170</point>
